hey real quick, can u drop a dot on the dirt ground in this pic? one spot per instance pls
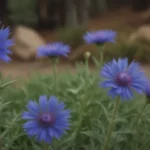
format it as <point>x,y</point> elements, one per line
<point>23,70</point>
<point>121,20</point>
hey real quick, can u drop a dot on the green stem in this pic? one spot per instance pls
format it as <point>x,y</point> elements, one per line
<point>137,119</point>
<point>110,128</point>
<point>140,115</point>
<point>80,113</point>
<point>87,66</point>
<point>45,146</point>
<point>101,57</point>
<point>55,74</point>
<point>101,50</point>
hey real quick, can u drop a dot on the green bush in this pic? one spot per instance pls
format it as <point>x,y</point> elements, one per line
<point>72,36</point>
<point>143,51</point>
<point>110,51</point>
<point>120,50</point>
<point>23,12</point>
<point>91,110</point>
<point>139,51</point>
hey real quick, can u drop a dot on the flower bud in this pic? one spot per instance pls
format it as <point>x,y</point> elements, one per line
<point>87,55</point>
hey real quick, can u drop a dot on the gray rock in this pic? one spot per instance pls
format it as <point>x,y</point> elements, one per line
<point>27,41</point>
<point>143,33</point>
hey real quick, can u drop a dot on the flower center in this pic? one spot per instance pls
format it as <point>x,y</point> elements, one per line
<point>123,79</point>
<point>46,119</point>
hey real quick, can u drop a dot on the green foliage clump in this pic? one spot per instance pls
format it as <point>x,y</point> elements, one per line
<point>91,110</point>
<point>143,51</point>
<point>111,51</point>
<point>22,12</point>
<point>120,50</point>
<point>72,36</point>
<point>138,51</point>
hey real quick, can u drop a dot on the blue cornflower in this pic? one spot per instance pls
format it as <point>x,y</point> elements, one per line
<point>53,50</point>
<point>122,78</point>
<point>100,37</point>
<point>46,120</point>
<point>4,44</point>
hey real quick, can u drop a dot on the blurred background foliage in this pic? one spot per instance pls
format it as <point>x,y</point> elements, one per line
<point>72,36</point>
<point>29,12</point>
<point>22,12</point>
<point>70,19</point>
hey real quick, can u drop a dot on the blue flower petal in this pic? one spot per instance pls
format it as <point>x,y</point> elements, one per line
<point>4,44</point>
<point>43,103</point>
<point>121,78</point>
<point>53,103</point>
<point>51,122</point>
<point>28,115</point>
<point>53,50</point>
<point>100,37</point>
<point>43,136</point>
<point>33,107</point>
<point>30,124</point>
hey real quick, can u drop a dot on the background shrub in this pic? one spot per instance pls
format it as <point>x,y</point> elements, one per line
<point>22,12</point>
<point>139,50</point>
<point>120,50</point>
<point>72,36</point>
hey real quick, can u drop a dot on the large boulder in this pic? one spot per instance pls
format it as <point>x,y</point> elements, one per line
<point>27,41</point>
<point>143,33</point>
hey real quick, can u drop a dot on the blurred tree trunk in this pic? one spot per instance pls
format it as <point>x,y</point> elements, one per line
<point>61,13</point>
<point>47,11</point>
<point>97,7</point>
<point>140,5</point>
<point>53,10</point>
<point>102,5</point>
<point>3,10</point>
<point>44,9</point>
<point>42,12</point>
<point>71,14</point>
<point>82,7</point>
